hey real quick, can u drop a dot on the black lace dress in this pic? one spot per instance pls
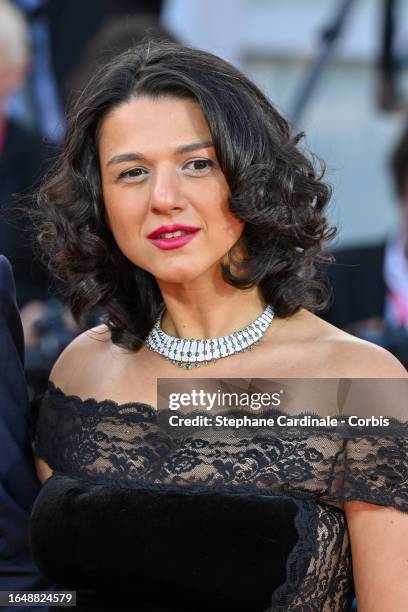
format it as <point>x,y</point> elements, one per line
<point>134,518</point>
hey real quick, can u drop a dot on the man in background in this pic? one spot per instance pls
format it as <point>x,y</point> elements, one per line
<point>22,160</point>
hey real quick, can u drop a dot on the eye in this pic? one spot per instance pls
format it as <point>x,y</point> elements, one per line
<point>132,174</point>
<point>198,167</point>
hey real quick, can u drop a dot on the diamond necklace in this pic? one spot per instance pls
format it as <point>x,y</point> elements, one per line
<point>193,352</point>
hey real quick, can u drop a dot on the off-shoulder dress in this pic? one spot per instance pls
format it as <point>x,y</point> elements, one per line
<point>134,518</point>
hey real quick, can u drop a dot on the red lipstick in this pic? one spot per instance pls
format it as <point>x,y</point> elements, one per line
<point>159,239</point>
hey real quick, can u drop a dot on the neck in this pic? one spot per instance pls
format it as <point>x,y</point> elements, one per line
<point>208,312</point>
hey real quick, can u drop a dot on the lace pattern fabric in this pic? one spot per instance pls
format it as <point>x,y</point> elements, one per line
<point>125,445</point>
<point>107,440</point>
<point>319,569</point>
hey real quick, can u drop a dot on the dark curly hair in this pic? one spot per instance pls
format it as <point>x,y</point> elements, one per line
<point>275,190</point>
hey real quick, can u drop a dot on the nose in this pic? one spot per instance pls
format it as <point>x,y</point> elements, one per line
<point>165,194</point>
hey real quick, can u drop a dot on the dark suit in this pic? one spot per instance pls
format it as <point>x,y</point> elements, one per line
<point>19,484</point>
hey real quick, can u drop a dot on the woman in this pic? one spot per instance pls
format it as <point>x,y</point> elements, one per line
<point>181,202</point>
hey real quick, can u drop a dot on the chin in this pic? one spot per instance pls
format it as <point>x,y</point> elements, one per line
<point>183,270</point>
<point>180,276</point>
<point>179,273</point>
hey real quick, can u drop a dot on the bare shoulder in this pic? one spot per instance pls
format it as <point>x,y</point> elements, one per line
<point>361,359</point>
<point>82,359</point>
<point>77,371</point>
<point>348,356</point>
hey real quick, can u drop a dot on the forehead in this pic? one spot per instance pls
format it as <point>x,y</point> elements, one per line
<point>145,124</point>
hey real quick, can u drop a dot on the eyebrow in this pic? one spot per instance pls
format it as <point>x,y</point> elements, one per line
<point>125,157</point>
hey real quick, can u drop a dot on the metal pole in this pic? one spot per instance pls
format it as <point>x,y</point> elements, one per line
<point>329,37</point>
<point>388,63</point>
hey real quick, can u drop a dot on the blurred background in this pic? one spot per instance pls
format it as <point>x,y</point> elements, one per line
<point>337,69</point>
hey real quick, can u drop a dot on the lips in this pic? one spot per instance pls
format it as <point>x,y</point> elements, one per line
<point>167,229</point>
<point>172,242</point>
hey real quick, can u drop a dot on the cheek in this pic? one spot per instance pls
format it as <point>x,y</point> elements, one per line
<point>226,224</point>
<point>126,231</point>
<point>221,220</point>
<point>122,213</point>
<point>125,220</point>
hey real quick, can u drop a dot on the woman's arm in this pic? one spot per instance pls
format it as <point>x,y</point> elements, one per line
<point>378,534</point>
<point>379,548</point>
<point>44,472</point>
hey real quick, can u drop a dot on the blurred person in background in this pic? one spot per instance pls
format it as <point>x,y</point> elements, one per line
<point>370,283</point>
<point>22,160</point>
<point>38,104</point>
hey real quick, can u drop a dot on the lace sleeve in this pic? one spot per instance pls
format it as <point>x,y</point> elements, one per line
<point>373,469</point>
<point>372,464</point>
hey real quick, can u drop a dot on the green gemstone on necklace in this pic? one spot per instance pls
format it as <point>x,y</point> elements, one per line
<point>180,364</point>
<point>188,366</point>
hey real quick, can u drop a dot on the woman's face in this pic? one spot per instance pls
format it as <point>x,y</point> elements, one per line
<point>159,168</point>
